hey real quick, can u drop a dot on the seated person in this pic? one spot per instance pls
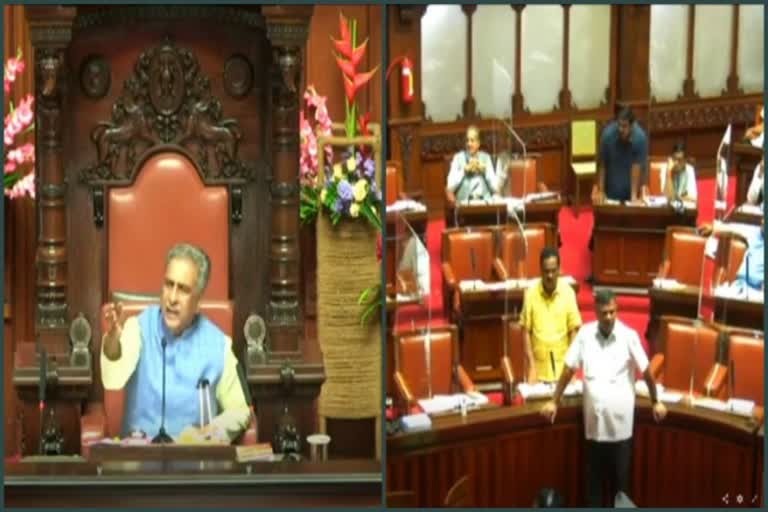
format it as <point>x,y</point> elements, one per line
<point>678,179</point>
<point>755,191</point>
<point>622,172</point>
<point>550,320</point>
<point>471,175</point>
<point>755,133</point>
<point>196,349</point>
<point>752,269</point>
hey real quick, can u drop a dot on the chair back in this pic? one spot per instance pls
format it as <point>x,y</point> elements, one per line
<point>731,249</point>
<point>655,166</point>
<point>515,351</point>
<point>687,350</point>
<point>469,252</point>
<point>684,249</point>
<point>517,262</point>
<point>394,181</point>
<point>521,177</point>
<point>746,352</point>
<point>440,348</point>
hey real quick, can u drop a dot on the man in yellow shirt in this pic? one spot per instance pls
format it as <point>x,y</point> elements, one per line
<point>550,320</point>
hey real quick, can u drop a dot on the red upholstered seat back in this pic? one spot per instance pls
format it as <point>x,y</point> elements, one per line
<point>654,176</point>
<point>167,204</point>
<point>411,361</point>
<point>394,182</point>
<point>746,352</point>
<point>685,251</point>
<point>538,236</point>
<point>735,250</point>
<point>519,171</point>
<point>683,352</point>
<point>461,247</point>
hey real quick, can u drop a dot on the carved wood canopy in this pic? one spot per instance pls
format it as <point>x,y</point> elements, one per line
<point>167,100</point>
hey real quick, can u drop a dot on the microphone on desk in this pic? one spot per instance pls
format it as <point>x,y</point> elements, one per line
<point>473,262</point>
<point>162,436</point>
<point>246,391</point>
<point>552,362</point>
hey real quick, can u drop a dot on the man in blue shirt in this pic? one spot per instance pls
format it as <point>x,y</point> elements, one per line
<point>622,171</point>
<point>751,272</point>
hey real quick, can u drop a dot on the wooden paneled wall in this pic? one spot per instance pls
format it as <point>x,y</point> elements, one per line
<point>425,147</point>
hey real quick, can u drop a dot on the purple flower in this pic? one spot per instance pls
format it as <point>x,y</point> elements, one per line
<point>338,206</point>
<point>369,168</point>
<point>345,190</point>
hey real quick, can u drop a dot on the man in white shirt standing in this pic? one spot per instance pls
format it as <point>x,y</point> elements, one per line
<point>609,352</point>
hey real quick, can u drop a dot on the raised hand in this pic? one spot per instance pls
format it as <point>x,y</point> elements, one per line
<point>113,314</point>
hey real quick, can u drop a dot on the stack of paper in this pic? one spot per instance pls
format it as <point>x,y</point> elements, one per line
<point>741,407</point>
<point>666,284</point>
<point>750,209</point>
<point>406,205</point>
<point>541,196</point>
<point>471,284</point>
<point>711,403</point>
<point>262,451</point>
<point>446,403</point>
<point>656,201</point>
<point>416,422</point>
<point>673,397</point>
<point>547,389</point>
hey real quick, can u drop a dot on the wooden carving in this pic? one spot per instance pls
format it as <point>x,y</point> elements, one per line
<point>167,100</point>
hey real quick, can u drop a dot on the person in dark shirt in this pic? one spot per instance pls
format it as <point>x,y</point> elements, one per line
<point>622,172</point>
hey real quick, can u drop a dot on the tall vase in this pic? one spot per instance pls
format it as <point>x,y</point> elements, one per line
<point>347,264</point>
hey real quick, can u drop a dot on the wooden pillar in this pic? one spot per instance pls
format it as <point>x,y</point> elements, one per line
<point>565,91</point>
<point>287,30</point>
<point>733,76</point>
<point>51,31</point>
<point>517,97</point>
<point>689,86</point>
<point>468,107</point>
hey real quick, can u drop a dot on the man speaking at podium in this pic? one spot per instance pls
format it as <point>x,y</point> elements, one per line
<point>196,352</point>
<point>471,175</point>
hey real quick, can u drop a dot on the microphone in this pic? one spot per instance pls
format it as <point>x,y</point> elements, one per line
<point>552,362</point>
<point>246,391</point>
<point>162,436</point>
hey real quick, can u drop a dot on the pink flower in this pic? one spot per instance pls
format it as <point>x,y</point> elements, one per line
<point>25,186</point>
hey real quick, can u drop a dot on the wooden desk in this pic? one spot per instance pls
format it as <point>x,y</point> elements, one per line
<point>685,301</point>
<point>745,158</point>
<point>739,215</point>
<point>190,476</point>
<point>691,459</point>
<point>629,242</point>
<point>495,214</point>
<point>739,313</point>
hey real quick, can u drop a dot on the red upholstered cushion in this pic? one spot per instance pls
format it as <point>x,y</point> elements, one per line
<point>520,171</point>
<point>411,359</point>
<point>167,204</point>
<point>746,352</point>
<point>683,350</point>
<point>461,245</point>
<point>686,257</point>
<point>513,251</point>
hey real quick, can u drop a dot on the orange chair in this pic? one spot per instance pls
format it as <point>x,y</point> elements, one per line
<point>466,254</point>
<point>513,363</point>
<point>746,351</point>
<point>511,264</point>
<point>522,176</point>
<point>415,379</point>
<point>730,253</point>
<point>683,255</point>
<point>687,350</point>
<point>199,215</point>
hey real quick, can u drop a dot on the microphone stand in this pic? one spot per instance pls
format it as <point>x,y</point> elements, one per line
<point>162,436</point>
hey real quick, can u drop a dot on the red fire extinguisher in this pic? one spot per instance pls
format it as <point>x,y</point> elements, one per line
<point>406,77</point>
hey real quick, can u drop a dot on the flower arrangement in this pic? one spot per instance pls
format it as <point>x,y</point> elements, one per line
<point>19,178</point>
<point>348,186</point>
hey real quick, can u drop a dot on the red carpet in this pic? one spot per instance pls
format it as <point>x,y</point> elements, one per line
<point>576,260</point>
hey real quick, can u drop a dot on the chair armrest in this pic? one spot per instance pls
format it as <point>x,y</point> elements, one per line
<point>450,198</point>
<point>250,436</point>
<point>663,269</point>
<point>715,380</point>
<point>449,277</point>
<point>92,427</point>
<point>507,374</point>
<point>464,381</point>
<point>656,366</point>
<point>404,391</point>
<point>501,271</point>
<point>718,278</point>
